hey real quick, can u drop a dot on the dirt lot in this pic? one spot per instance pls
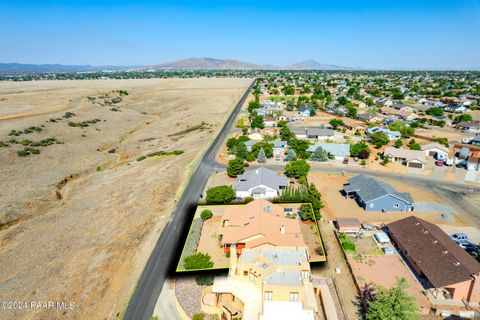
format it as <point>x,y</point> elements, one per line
<point>86,213</point>
<point>372,269</point>
<point>337,206</point>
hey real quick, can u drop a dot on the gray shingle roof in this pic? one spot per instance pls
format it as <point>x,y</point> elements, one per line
<point>260,176</point>
<point>369,189</point>
<point>336,149</point>
<point>285,278</point>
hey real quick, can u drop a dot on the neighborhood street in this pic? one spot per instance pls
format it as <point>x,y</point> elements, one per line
<point>170,243</point>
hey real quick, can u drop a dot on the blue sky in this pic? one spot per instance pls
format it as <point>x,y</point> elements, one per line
<point>362,33</point>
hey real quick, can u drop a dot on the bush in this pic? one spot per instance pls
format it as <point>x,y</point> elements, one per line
<point>235,167</point>
<point>204,280</point>
<point>348,246</point>
<point>363,162</point>
<point>198,316</point>
<point>220,195</point>
<point>297,169</point>
<point>248,199</point>
<point>206,214</point>
<point>198,261</point>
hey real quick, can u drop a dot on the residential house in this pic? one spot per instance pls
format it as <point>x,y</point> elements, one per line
<point>339,150</point>
<point>259,183</point>
<point>313,133</point>
<point>470,126</point>
<point>436,150</point>
<point>392,135</point>
<point>259,223</point>
<point>448,271</point>
<point>370,118</point>
<point>306,111</point>
<point>267,284</point>
<point>279,147</point>
<point>407,157</point>
<point>269,121</point>
<point>375,195</point>
<point>348,225</point>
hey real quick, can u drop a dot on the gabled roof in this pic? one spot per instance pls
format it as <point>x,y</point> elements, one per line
<point>336,149</point>
<point>260,222</point>
<point>435,145</point>
<point>369,189</point>
<point>406,154</point>
<point>439,258</point>
<point>312,131</point>
<point>261,176</point>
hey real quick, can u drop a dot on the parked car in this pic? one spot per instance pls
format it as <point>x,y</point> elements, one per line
<point>439,163</point>
<point>467,245</point>
<point>458,237</point>
<point>277,157</point>
<point>449,162</point>
<point>345,161</point>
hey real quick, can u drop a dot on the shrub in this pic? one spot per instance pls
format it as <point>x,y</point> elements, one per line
<point>204,280</point>
<point>220,195</point>
<point>23,153</point>
<point>198,316</point>
<point>198,261</point>
<point>297,168</point>
<point>248,199</point>
<point>206,214</point>
<point>348,246</point>
<point>235,167</point>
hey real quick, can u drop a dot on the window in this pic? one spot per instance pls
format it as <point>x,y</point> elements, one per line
<point>372,204</point>
<point>245,273</point>
<point>293,296</point>
<point>304,274</point>
<point>396,205</point>
<point>267,295</point>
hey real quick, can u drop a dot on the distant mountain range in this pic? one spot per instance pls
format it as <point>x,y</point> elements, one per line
<point>184,64</point>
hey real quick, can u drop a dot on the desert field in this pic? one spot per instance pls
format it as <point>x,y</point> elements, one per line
<point>83,199</point>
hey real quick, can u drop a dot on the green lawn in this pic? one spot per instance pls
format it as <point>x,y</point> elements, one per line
<point>282,98</point>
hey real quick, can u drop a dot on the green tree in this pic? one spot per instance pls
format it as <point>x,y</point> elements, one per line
<point>398,143</point>
<point>379,139</point>
<point>241,150</point>
<point>360,150</point>
<point>286,134</point>
<point>261,158</point>
<point>252,105</point>
<point>297,168</point>
<point>289,90</point>
<point>300,147</point>
<point>291,155</point>
<point>314,197</point>
<point>351,110</point>
<point>257,122</point>
<point>343,100</point>
<point>463,118</point>
<point>220,195</point>
<point>198,261</point>
<point>232,143</point>
<point>335,123</point>
<point>235,167</point>
<point>319,155</point>
<point>206,214</point>
<point>267,148</point>
<point>307,212</point>
<point>434,111</point>
<point>415,146</point>
<point>393,304</point>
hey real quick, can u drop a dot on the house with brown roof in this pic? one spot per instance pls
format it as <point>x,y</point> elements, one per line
<point>259,223</point>
<point>407,157</point>
<point>446,270</point>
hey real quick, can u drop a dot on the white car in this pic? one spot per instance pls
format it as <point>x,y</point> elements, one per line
<point>459,237</point>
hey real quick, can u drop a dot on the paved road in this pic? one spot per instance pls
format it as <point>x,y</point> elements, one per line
<point>163,259</point>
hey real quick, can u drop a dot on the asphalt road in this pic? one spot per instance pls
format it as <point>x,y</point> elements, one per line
<point>170,243</point>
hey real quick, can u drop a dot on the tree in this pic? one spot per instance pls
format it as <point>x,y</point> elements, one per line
<point>393,304</point>
<point>386,160</point>
<point>434,111</point>
<point>206,214</point>
<point>462,118</point>
<point>360,150</point>
<point>286,134</point>
<point>307,212</point>
<point>335,123</point>
<point>415,146</point>
<point>319,155</point>
<point>300,147</point>
<point>241,150</point>
<point>291,155</point>
<point>231,143</point>
<point>235,167</point>
<point>379,139</point>
<point>220,195</point>
<point>289,90</point>
<point>257,122</point>
<point>197,261</point>
<point>351,110</point>
<point>297,168</point>
<point>252,105</point>
<point>267,148</point>
<point>314,197</point>
<point>261,158</point>
<point>398,143</point>
<point>343,100</point>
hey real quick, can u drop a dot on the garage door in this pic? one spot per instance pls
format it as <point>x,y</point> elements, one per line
<point>415,165</point>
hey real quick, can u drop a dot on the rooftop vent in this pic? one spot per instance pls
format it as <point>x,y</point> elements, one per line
<point>267,208</point>
<point>457,263</point>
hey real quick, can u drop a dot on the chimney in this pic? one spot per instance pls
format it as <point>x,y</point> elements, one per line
<point>282,229</point>
<point>233,260</point>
